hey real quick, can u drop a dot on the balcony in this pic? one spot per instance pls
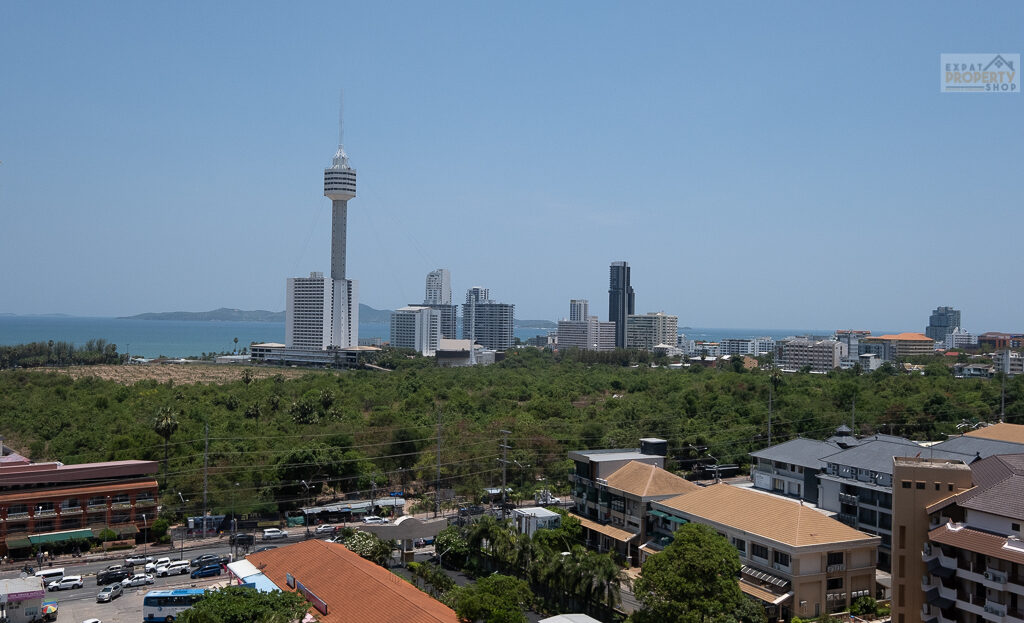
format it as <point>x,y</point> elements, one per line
<point>16,516</point>
<point>70,510</point>
<point>996,608</point>
<point>848,519</point>
<point>46,512</point>
<point>123,506</point>
<point>98,507</point>
<point>835,568</point>
<point>144,503</point>
<point>847,498</point>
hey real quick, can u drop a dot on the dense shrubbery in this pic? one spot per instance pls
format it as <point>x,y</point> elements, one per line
<point>53,353</point>
<point>359,431</point>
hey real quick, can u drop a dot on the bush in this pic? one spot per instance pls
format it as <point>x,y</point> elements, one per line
<point>864,605</point>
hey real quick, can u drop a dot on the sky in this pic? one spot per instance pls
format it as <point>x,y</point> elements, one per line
<point>769,165</point>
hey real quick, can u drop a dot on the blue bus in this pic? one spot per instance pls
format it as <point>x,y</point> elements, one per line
<point>168,605</point>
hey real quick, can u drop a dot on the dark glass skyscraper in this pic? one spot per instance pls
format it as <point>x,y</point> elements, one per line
<point>942,322</point>
<point>620,300</point>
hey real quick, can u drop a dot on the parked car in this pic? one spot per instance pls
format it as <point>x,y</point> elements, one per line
<point>423,542</point>
<point>69,581</point>
<point>274,533</point>
<point>177,567</point>
<point>137,559</point>
<point>108,576</point>
<point>139,579</point>
<point>325,529</point>
<point>205,559</point>
<point>242,539</point>
<point>206,572</point>
<point>151,567</point>
<point>373,519</point>
<point>475,509</point>
<point>109,593</point>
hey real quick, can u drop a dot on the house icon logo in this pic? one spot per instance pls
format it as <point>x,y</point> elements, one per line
<point>979,73</point>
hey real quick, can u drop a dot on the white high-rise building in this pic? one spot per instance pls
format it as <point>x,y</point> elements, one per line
<point>439,287</point>
<point>416,327</point>
<point>579,310</point>
<point>321,312</point>
<point>652,329</point>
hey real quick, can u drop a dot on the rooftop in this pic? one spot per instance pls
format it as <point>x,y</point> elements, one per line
<point>1003,431</point>
<point>800,451</point>
<point>986,543</point>
<point>645,480</point>
<point>772,518</point>
<point>999,486</point>
<point>621,454</point>
<point>902,337</point>
<point>353,588</point>
<point>876,453</point>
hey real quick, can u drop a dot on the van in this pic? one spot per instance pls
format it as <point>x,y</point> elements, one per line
<point>49,575</point>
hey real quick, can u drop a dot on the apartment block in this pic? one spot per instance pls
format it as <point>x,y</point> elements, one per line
<point>897,346</point>
<point>417,328</point>
<point>820,355</point>
<point>646,331</point>
<point>796,561</point>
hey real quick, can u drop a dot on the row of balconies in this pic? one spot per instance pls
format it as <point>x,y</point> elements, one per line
<point>77,510</point>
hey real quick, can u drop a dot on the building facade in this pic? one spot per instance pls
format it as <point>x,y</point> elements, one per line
<point>47,502</point>
<point>820,355</point>
<point>321,313</point>
<point>898,346</point>
<point>418,328</point>
<point>942,322</point>
<point>439,287</point>
<point>579,310</point>
<point>621,300</point>
<point>645,331</point>
<point>795,560</point>
<point>487,322</point>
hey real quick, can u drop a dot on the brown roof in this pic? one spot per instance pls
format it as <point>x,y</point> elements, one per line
<point>354,589</point>
<point>643,480</point>
<point>611,531</point>
<point>763,594</point>
<point>1003,431</point>
<point>902,337</point>
<point>765,515</point>
<point>28,495</point>
<point>985,543</point>
<point>999,486</point>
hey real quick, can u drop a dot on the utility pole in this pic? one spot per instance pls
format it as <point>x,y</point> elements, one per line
<point>206,458</point>
<point>854,418</point>
<point>437,482</point>
<point>771,395</point>
<point>504,470</point>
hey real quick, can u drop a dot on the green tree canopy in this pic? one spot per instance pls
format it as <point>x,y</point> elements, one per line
<point>235,604</point>
<point>694,580</point>
<point>495,599</point>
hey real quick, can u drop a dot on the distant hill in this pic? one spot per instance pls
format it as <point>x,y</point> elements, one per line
<point>366,314</point>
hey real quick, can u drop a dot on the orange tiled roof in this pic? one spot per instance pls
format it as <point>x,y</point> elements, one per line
<point>903,337</point>
<point>645,480</point>
<point>1003,431</point>
<point>765,515</point>
<point>354,589</point>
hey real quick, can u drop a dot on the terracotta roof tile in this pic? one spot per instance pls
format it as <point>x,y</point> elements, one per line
<point>766,516</point>
<point>643,480</point>
<point>985,543</point>
<point>355,589</point>
<point>1003,431</point>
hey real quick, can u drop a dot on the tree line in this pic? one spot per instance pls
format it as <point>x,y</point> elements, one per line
<point>51,353</point>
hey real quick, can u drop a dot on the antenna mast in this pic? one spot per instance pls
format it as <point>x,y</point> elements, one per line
<point>341,118</point>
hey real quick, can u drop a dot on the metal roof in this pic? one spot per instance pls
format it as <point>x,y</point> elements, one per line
<point>876,454</point>
<point>800,451</point>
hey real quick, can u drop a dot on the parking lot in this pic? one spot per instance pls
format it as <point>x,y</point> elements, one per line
<point>125,609</point>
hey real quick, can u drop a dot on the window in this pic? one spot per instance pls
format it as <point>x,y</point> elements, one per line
<point>902,543</point>
<point>1015,527</point>
<point>835,558</point>
<point>780,558</point>
<point>905,484</point>
<point>936,486</point>
<point>920,485</point>
<point>759,550</point>
<point>834,584</point>
<point>950,485</point>
<point>741,545</point>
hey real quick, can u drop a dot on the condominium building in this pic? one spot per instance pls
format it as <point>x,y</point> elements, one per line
<point>590,334</point>
<point>438,288</point>
<point>621,300</point>
<point>652,329</point>
<point>819,355</point>
<point>486,322</point>
<point>941,323</point>
<point>579,310</point>
<point>753,346</point>
<point>795,560</point>
<point>51,502</point>
<point>960,338</point>
<point>321,313</point>
<point>1010,363</point>
<point>418,328</point>
<point>850,339</point>
<point>920,482</point>
<point>897,346</point>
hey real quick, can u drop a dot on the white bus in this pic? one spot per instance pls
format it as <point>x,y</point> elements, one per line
<point>168,605</point>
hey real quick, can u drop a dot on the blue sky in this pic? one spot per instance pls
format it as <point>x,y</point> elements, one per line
<point>757,164</point>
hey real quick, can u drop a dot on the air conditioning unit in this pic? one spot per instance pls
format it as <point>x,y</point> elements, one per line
<point>988,576</point>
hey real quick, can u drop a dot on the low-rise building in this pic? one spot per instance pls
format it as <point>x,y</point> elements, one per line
<point>48,502</point>
<point>897,346</point>
<point>792,467</point>
<point>1010,363</point>
<point>529,520</point>
<point>796,561</point>
<point>21,599</point>
<point>818,355</point>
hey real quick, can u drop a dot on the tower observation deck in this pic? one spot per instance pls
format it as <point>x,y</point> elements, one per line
<point>339,187</point>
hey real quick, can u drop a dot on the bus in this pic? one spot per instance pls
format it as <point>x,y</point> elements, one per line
<point>168,605</point>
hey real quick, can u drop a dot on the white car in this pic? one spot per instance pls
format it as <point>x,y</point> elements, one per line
<point>274,533</point>
<point>139,579</point>
<point>151,567</point>
<point>178,567</point>
<point>69,581</point>
<point>373,519</point>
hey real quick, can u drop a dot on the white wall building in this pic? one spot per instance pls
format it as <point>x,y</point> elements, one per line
<point>321,313</point>
<point>652,329</point>
<point>960,338</point>
<point>418,328</point>
<point>439,287</point>
<point>579,310</point>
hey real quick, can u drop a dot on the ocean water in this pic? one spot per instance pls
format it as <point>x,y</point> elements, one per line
<point>184,338</point>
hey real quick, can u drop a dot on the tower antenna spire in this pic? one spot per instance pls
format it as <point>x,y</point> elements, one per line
<point>341,118</point>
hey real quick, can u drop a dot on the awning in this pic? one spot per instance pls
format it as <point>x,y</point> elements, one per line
<point>610,531</point>
<point>242,569</point>
<point>658,513</point>
<point>762,594</point>
<point>764,576</point>
<point>18,543</point>
<point>678,520</point>
<point>58,537</point>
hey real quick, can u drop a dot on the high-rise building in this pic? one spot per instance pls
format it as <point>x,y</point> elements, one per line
<point>819,355</point>
<point>579,310</point>
<point>439,287</point>
<point>621,300</point>
<point>942,322</point>
<point>323,313</point>
<point>486,322</point>
<point>416,327</point>
<point>649,330</point>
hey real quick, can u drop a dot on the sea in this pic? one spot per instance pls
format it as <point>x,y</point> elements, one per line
<point>187,338</point>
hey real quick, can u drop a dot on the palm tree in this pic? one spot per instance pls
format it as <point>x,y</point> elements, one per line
<point>165,424</point>
<point>607,580</point>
